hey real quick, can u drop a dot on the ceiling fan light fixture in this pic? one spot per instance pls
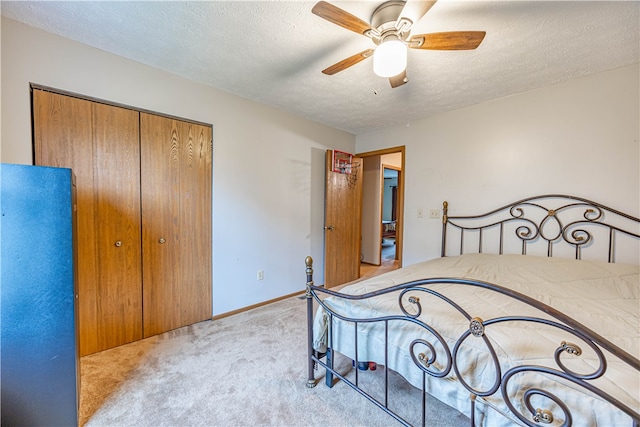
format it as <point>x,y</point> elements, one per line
<point>390,58</point>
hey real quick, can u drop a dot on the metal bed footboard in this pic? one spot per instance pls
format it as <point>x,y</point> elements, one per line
<point>429,349</point>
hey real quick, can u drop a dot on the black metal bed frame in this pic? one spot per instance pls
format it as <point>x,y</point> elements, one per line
<point>549,228</point>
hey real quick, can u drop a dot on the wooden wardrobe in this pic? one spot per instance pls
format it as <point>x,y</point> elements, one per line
<point>144,214</point>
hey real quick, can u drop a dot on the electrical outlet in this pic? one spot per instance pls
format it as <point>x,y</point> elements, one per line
<point>434,213</point>
<point>260,275</point>
<point>420,213</point>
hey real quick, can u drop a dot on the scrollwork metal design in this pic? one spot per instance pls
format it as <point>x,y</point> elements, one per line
<point>534,219</point>
<point>415,303</point>
<point>421,359</point>
<point>551,227</point>
<point>545,416</point>
<point>573,349</point>
<point>537,415</point>
<point>593,213</point>
<point>516,211</point>
<point>427,362</point>
<point>576,236</point>
<point>493,359</point>
<point>524,232</point>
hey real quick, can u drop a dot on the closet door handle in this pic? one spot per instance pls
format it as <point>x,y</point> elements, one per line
<point>329,227</point>
<point>118,243</point>
<point>161,241</point>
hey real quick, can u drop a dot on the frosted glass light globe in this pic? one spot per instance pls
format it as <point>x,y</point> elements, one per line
<point>390,58</point>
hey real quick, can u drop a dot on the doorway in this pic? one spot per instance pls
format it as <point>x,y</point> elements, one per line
<point>389,218</point>
<point>382,211</point>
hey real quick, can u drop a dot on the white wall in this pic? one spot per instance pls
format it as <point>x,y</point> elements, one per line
<point>268,166</point>
<point>579,137</point>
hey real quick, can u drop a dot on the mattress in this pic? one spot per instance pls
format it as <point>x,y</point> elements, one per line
<point>601,296</point>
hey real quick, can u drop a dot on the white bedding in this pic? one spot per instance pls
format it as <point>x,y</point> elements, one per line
<point>603,297</point>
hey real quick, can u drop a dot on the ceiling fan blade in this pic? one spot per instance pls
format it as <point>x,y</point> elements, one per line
<point>454,40</point>
<point>348,62</point>
<point>399,80</point>
<point>340,17</point>
<point>414,10</point>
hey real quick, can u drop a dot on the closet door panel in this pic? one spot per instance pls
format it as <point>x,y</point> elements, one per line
<point>100,144</point>
<point>62,131</point>
<point>118,234</point>
<point>195,223</point>
<point>160,189</point>
<point>176,210</point>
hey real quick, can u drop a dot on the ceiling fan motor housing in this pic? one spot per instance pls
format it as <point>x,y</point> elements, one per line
<point>384,21</point>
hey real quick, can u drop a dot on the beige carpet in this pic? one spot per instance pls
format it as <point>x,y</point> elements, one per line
<point>249,369</point>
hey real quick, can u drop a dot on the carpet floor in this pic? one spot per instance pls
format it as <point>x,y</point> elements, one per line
<point>249,369</point>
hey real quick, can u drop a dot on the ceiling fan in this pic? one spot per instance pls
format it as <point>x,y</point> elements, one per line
<point>390,30</point>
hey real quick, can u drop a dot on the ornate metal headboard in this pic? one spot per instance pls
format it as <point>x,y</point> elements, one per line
<point>551,221</point>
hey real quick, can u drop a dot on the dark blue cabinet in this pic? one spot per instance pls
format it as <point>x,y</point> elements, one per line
<point>39,358</point>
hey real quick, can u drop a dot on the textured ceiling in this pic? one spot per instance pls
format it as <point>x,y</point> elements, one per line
<point>273,52</point>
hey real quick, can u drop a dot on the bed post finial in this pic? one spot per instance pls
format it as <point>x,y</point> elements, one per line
<point>308,261</point>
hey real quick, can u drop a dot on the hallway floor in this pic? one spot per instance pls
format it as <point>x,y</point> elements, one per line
<point>389,262</point>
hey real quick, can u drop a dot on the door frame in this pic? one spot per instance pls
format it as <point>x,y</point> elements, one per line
<point>401,179</point>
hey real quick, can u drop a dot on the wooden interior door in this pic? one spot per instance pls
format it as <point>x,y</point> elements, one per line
<point>343,215</point>
<point>176,222</point>
<point>100,144</point>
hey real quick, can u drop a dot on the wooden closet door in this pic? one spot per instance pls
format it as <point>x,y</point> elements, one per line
<point>118,227</point>
<point>100,144</point>
<point>176,222</point>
